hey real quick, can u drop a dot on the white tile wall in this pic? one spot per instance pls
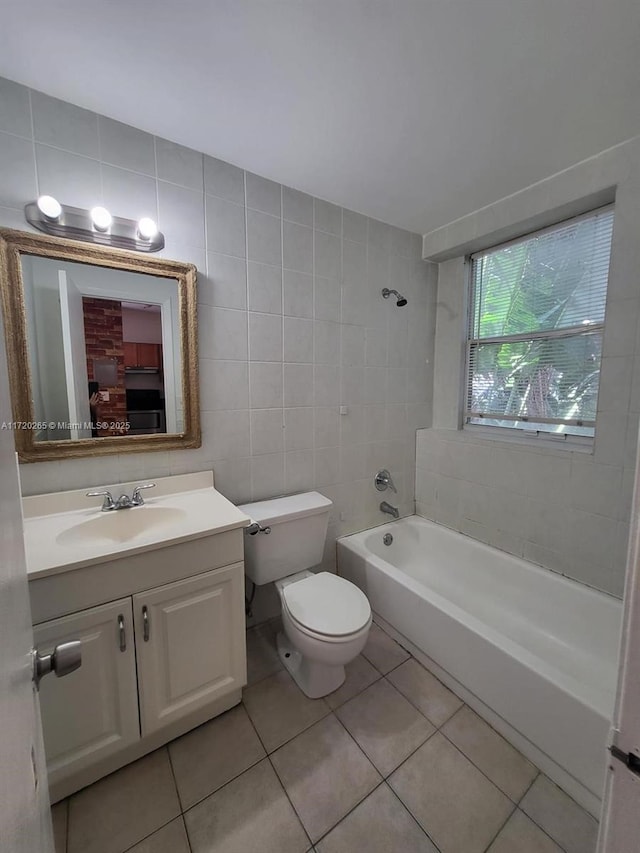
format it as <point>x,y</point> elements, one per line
<point>568,511</point>
<point>291,321</point>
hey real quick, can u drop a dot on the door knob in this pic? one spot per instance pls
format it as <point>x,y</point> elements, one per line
<point>65,658</point>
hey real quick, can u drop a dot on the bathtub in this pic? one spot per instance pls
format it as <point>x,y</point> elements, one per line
<point>533,652</point>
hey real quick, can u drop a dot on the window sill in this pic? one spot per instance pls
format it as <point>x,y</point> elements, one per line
<point>537,441</point>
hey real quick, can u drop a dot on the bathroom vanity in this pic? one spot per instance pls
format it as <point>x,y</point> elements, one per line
<point>155,594</point>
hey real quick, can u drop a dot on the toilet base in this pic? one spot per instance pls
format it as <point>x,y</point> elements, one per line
<point>313,678</point>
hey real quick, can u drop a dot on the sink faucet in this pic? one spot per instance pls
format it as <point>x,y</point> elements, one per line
<point>124,501</point>
<point>390,510</point>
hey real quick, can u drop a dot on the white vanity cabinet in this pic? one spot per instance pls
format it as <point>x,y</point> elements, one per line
<point>188,650</point>
<point>155,594</point>
<point>104,688</point>
<point>158,661</point>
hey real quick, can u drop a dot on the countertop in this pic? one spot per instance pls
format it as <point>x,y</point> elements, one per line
<point>202,511</point>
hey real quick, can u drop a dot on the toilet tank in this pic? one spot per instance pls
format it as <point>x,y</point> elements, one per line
<point>298,529</point>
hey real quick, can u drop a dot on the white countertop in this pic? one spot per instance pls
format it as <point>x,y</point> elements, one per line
<point>201,511</point>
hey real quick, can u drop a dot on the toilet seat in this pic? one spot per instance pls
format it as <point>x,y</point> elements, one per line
<point>327,606</point>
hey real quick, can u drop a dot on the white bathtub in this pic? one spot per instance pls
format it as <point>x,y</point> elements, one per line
<point>531,651</point>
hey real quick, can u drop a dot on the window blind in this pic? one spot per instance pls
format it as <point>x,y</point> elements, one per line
<point>536,321</point>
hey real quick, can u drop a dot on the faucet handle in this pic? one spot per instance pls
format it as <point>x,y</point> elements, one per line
<point>383,481</point>
<point>254,528</point>
<point>136,498</point>
<point>107,503</point>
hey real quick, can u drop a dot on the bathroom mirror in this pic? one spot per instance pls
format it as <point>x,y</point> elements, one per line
<point>101,346</point>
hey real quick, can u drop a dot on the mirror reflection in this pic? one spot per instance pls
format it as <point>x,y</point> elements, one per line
<point>104,350</point>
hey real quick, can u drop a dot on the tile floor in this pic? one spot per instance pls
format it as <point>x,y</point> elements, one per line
<point>392,762</point>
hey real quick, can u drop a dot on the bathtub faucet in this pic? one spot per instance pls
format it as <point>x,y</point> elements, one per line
<point>390,510</point>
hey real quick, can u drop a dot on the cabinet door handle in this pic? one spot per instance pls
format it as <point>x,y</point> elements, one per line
<point>123,636</point>
<point>145,624</point>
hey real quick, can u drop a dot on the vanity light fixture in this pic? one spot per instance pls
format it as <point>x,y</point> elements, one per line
<point>95,226</point>
<point>49,207</point>
<point>101,218</point>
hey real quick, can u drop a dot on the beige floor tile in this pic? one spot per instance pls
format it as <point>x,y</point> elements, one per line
<point>210,756</point>
<point>386,726</point>
<point>560,817</point>
<point>249,815</point>
<point>360,674</point>
<point>380,824</point>
<point>325,774</point>
<point>59,814</point>
<point>172,838</point>
<point>505,766</point>
<point>115,813</point>
<point>424,690</point>
<point>454,803</point>
<point>521,835</point>
<point>262,653</point>
<point>279,709</point>
<point>383,652</point>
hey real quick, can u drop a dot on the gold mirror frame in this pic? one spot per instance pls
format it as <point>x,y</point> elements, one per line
<point>13,244</point>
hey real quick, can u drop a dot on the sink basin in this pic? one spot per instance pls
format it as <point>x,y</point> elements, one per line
<point>121,526</point>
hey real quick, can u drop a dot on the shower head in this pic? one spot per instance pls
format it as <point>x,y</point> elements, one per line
<point>400,300</point>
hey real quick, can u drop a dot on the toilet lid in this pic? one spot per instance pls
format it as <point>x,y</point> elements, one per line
<point>327,604</point>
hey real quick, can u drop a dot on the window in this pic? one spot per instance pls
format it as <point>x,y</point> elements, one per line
<point>535,329</point>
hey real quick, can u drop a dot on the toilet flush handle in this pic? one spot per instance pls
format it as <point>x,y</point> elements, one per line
<point>254,528</point>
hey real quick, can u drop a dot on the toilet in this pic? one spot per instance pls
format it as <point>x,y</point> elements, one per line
<point>326,619</point>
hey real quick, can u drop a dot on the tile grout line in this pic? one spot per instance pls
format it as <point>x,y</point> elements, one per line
<point>33,141</point>
<point>502,826</point>
<point>313,334</point>
<point>516,809</point>
<point>358,693</point>
<point>173,774</point>
<point>411,815</point>
<point>286,793</point>
<point>383,777</point>
<point>140,840</point>
<point>248,325</point>
<point>480,770</point>
<point>351,810</point>
<point>282,325</point>
<point>422,743</point>
<point>331,713</point>
<point>535,822</point>
<point>305,729</point>
<point>438,730</point>
<point>224,784</point>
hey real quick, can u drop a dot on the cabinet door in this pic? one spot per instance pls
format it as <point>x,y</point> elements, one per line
<point>190,644</point>
<point>148,355</point>
<point>130,352</point>
<point>93,712</point>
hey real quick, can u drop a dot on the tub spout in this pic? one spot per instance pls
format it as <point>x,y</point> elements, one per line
<point>390,510</point>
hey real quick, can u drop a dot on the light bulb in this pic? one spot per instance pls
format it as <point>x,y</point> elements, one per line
<point>147,228</point>
<point>101,218</point>
<point>49,207</point>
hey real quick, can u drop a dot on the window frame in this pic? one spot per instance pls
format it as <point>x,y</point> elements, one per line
<point>519,434</point>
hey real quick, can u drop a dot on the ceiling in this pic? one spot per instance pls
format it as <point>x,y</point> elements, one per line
<point>412,111</point>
